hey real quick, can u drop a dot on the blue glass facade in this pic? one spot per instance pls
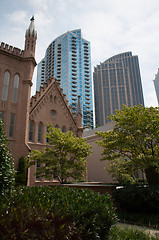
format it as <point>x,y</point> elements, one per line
<point>68,60</point>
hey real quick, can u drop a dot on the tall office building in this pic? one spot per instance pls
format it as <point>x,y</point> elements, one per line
<point>117,81</point>
<point>68,59</point>
<point>156,84</point>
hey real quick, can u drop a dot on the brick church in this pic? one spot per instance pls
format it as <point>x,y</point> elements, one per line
<point>25,117</point>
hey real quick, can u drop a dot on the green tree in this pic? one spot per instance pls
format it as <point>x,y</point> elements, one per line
<point>7,172</point>
<point>21,174</point>
<point>133,144</point>
<point>64,158</point>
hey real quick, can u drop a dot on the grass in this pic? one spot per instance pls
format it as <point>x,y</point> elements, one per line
<point>119,233</point>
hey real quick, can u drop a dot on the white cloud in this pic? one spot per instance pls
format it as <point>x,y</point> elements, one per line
<point>40,4</point>
<point>111,27</point>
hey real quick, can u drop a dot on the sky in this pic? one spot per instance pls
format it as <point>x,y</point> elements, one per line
<point>111,26</point>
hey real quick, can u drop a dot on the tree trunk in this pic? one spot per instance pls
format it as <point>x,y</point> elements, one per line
<point>152,175</point>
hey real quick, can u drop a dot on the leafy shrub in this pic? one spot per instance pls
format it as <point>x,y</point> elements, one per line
<point>7,173</point>
<point>21,174</point>
<point>138,198</point>
<point>59,213</point>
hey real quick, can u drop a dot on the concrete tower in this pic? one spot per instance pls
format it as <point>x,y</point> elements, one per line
<point>117,82</point>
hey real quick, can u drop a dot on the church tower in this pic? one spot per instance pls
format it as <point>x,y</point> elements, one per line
<point>30,39</point>
<point>16,72</point>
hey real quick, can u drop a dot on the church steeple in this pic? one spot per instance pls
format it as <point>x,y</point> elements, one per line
<point>30,38</point>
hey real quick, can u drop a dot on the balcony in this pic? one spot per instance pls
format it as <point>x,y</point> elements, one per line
<point>74,82</point>
<point>73,66</point>
<point>74,74</point>
<point>86,67</point>
<point>86,75</point>
<point>74,90</point>
<point>87,90</point>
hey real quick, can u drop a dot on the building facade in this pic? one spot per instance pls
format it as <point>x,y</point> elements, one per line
<point>25,118</point>
<point>68,59</point>
<point>16,71</point>
<point>156,84</point>
<point>117,82</point>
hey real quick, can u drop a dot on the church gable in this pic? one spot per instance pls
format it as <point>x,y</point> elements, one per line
<point>50,106</point>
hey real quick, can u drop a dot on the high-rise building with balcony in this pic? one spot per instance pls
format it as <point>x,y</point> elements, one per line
<point>68,59</point>
<point>117,82</point>
<point>156,84</point>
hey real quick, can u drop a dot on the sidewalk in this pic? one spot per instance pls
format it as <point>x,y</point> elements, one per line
<point>151,232</point>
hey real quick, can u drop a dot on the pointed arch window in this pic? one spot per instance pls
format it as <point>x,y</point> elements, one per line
<point>71,129</point>
<point>11,126</point>
<point>51,98</point>
<point>5,86</point>
<point>2,115</point>
<point>47,130</point>
<point>63,129</point>
<point>31,131</point>
<point>53,113</point>
<point>15,88</point>
<point>40,131</point>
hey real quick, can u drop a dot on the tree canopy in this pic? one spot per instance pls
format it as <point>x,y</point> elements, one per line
<point>7,172</point>
<point>133,144</point>
<point>64,159</point>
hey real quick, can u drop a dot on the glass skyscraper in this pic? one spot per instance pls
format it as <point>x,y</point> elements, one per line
<point>156,84</point>
<point>117,82</point>
<point>68,59</point>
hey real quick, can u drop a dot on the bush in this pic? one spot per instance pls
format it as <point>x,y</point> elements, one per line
<point>138,198</point>
<point>21,174</point>
<point>7,173</point>
<point>55,213</point>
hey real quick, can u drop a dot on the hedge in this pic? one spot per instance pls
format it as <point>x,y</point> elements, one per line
<point>56,213</point>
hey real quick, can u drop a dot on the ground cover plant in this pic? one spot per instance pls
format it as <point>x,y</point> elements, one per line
<point>118,233</point>
<point>150,220</point>
<point>55,213</point>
